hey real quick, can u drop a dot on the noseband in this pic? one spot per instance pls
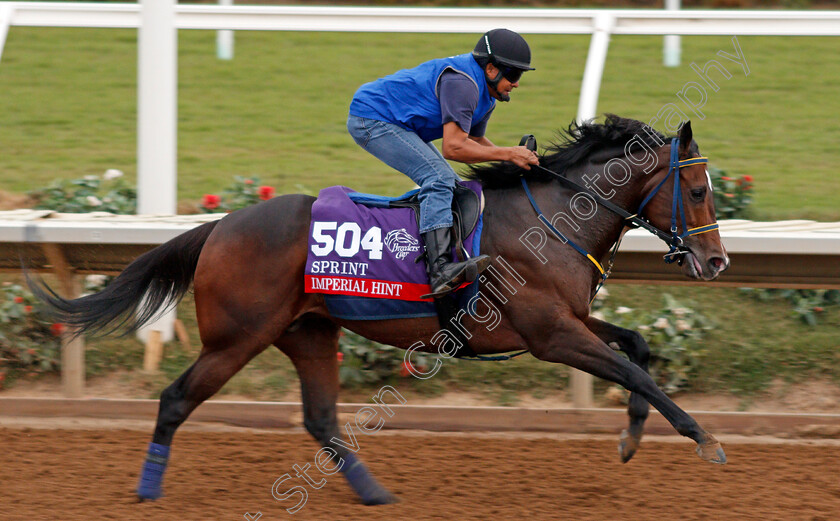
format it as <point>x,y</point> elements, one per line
<point>674,240</point>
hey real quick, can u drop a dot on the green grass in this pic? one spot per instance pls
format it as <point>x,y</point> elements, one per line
<point>278,110</point>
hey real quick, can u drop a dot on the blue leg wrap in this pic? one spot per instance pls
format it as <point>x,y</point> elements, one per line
<point>153,469</point>
<point>363,483</point>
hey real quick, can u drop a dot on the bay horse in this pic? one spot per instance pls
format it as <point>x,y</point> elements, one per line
<point>247,273</point>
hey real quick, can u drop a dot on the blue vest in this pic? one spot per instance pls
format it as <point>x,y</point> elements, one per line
<point>409,98</point>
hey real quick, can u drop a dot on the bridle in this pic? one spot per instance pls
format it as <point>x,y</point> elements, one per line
<point>674,240</point>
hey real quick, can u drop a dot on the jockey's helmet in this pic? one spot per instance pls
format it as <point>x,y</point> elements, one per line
<point>504,49</point>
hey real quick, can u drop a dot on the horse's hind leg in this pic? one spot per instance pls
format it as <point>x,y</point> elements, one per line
<point>312,345</point>
<point>637,350</point>
<point>198,383</point>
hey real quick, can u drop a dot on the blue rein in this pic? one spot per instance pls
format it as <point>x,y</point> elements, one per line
<point>675,240</point>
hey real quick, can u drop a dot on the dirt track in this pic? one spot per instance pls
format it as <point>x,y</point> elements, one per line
<point>90,474</point>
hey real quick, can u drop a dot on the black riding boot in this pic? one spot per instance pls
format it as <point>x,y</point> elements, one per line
<point>444,275</point>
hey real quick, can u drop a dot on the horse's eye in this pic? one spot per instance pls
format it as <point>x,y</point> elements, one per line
<point>698,194</point>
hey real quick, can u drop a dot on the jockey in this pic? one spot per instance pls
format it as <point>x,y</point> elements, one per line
<point>397,117</point>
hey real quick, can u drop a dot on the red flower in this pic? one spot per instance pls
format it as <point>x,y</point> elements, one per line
<point>406,369</point>
<point>818,309</point>
<point>18,300</point>
<point>748,178</point>
<point>211,201</point>
<point>266,192</point>
<point>340,357</point>
<point>249,181</point>
<point>57,329</point>
<point>27,309</point>
<point>724,178</point>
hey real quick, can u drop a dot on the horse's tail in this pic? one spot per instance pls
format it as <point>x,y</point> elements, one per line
<point>157,279</point>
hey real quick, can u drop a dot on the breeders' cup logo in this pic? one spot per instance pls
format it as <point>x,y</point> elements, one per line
<point>401,243</point>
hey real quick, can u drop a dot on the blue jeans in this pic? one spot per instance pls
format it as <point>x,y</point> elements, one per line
<point>403,150</point>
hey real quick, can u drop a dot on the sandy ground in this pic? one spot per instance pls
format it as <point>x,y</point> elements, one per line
<point>85,469</point>
<point>223,473</point>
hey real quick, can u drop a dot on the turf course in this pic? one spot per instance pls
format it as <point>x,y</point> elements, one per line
<point>278,110</point>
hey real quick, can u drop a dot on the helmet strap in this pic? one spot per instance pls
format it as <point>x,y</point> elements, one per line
<point>493,83</point>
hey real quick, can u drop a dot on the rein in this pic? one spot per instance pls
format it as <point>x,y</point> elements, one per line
<point>674,240</point>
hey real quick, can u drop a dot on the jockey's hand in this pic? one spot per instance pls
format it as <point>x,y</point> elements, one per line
<point>523,158</point>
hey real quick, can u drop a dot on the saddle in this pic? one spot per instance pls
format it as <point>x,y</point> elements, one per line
<point>466,209</point>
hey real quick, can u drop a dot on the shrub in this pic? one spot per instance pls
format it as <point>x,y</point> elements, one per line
<point>29,343</point>
<point>110,193</point>
<point>732,195</point>
<point>364,362</point>
<point>673,333</point>
<point>244,191</point>
<point>806,304</point>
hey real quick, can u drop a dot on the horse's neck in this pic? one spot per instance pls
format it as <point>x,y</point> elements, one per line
<point>599,231</point>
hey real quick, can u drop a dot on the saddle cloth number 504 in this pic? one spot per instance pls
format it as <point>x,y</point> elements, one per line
<point>347,259</point>
<point>348,240</point>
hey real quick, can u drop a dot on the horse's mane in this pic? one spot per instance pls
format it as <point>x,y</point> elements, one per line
<point>577,143</point>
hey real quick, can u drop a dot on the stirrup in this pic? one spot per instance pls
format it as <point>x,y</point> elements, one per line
<point>469,272</point>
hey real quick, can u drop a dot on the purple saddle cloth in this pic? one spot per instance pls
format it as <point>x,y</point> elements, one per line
<point>363,255</point>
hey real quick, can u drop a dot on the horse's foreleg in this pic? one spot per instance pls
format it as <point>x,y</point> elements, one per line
<point>313,349</point>
<point>198,383</point>
<point>576,346</point>
<point>634,345</point>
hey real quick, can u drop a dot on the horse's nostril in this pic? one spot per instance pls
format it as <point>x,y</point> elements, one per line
<point>717,263</point>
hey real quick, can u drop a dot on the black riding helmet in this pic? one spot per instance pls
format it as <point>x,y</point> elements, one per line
<point>504,47</point>
<point>508,51</point>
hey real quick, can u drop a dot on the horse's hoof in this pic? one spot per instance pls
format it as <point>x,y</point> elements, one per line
<point>628,444</point>
<point>148,493</point>
<point>710,450</point>
<point>383,498</point>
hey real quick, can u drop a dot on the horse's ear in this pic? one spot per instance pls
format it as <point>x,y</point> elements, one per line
<point>685,137</point>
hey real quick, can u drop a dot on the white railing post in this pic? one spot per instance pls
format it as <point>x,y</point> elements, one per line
<point>6,13</point>
<point>580,382</point>
<point>157,108</point>
<point>157,122</point>
<point>595,60</point>
<point>671,42</point>
<point>224,39</point>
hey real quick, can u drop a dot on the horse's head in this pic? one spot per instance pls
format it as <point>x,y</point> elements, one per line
<point>692,222</point>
